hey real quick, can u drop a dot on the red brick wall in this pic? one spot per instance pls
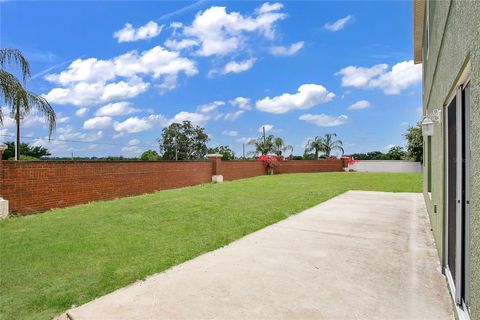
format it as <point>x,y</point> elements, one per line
<point>33,186</point>
<point>233,169</point>
<point>298,166</point>
<point>41,185</point>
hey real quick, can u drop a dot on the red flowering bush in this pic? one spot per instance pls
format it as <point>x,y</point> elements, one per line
<point>270,161</point>
<point>351,160</point>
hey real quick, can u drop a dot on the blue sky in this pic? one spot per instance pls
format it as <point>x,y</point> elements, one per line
<point>118,72</point>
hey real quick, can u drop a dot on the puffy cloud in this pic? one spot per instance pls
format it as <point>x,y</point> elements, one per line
<point>116,109</point>
<point>195,118</point>
<point>92,81</point>
<point>81,112</point>
<point>323,120</point>
<point>308,95</point>
<point>97,123</point>
<point>136,124</point>
<point>218,32</point>
<point>242,103</point>
<point>401,76</point>
<point>230,133</point>
<point>268,128</point>
<point>84,93</point>
<point>237,67</point>
<point>128,33</point>
<point>362,104</point>
<point>282,51</point>
<point>132,125</point>
<point>360,77</point>
<point>339,24</point>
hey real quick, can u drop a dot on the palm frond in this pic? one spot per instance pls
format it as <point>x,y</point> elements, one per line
<point>42,105</point>
<point>15,56</point>
<point>10,87</point>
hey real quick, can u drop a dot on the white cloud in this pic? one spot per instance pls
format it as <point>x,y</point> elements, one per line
<point>81,112</point>
<point>92,81</point>
<point>133,142</point>
<point>178,45</point>
<point>269,7</point>
<point>402,76</point>
<point>323,120</point>
<point>131,149</point>
<point>242,103</point>
<point>132,125</point>
<point>128,33</point>
<point>362,104</point>
<point>83,93</point>
<point>339,24</point>
<point>237,67</point>
<point>218,32</point>
<point>308,96</point>
<point>232,116</point>
<point>210,107</point>
<point>282,51</point>
<point>136,124</point>
<point>97,123</point>
<point>268,128</point>
<point>116,109</point>
<point>69,133</point>
<point>230,133</point>
<point>195,118</point>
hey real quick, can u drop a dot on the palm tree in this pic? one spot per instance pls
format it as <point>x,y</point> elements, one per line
<point>17,97</point>
<point>315,145</point>
<point>279,146</point>
<point>330,144</point>
<point>263,145</point>
<point>325,144</point>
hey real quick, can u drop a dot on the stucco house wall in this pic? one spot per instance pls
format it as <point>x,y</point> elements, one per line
<point>454,40</point>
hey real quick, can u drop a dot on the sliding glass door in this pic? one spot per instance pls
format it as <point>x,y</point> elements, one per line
<point>457,206</point>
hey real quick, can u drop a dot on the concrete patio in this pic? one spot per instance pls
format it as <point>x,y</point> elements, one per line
<point>361,255</point>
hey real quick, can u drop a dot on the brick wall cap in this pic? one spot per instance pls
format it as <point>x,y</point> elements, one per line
<point>214,155</point>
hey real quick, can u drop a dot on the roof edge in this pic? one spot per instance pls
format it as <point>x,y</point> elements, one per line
<point>418,25</point>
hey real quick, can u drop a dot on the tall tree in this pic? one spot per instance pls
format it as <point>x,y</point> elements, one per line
<point>17,98</point>
<point>415,142</point>
<point>183,141</point>
<point>226,152</point>
<point>279,147</point>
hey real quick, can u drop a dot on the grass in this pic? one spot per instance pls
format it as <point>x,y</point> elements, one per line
<point>70,256</point>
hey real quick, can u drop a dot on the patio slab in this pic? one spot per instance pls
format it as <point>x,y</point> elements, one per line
<point>360,255</point>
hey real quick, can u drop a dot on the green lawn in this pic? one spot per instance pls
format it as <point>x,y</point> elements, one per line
<point>66,257</point>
